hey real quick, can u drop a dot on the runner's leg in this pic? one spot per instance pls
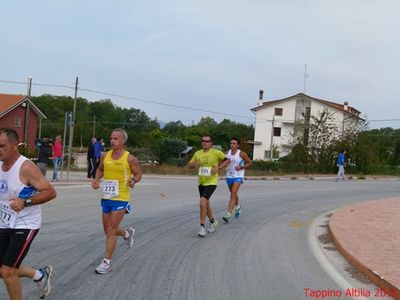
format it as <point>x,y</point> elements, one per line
<point>209,211</point>
<point>112,229</point>
<point>12,281</point>
<point>234,198</point>
<point>203,210</point>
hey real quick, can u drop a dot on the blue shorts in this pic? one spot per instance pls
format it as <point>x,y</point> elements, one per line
<point>230,181</point>
<point>108,206</point>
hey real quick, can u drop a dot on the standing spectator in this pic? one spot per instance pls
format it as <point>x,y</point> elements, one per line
<point>91,159</point>
<point>103,145</point>
<point>98,147</point>
<point>45,153</point>
<point>57,156</point>
<point>340,164</point>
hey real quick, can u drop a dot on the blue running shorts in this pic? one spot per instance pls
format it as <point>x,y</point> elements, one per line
<point>230,181</point>
<point>108,206</point>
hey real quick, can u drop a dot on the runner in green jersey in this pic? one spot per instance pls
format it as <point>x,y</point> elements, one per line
<point>208,161</point>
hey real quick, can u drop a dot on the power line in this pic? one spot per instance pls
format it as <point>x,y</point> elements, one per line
<point>133,98</point>
<point>165,104</point>
<point>39,84</point>
<point>384,120</point>
<point>171,105</point>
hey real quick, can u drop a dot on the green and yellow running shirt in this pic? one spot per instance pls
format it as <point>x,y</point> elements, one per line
<point>207,161</point>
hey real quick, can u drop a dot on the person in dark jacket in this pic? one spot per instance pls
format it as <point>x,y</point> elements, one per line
<point>91,159</point>
<point>45,153</point>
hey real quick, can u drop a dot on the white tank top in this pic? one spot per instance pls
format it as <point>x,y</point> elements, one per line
<point>11,186</point>
<point>236,160</point>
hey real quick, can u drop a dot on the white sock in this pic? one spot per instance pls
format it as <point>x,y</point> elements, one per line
<point>108,261</point>
<point>126,234</point>
<point>237,206</point>
<point>38,275</point>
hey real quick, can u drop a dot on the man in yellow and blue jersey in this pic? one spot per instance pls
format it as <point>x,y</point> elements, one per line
<point>120,171</point>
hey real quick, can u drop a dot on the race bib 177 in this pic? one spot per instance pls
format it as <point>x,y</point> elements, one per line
<point>7,215</point>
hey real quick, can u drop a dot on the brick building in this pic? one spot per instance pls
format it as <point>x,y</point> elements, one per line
<point>18,112</point>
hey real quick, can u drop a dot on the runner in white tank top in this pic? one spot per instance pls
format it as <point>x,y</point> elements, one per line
<point>232,171</point>
<point>11,186</point>
<point>22,189</point>
<point>239,160</point>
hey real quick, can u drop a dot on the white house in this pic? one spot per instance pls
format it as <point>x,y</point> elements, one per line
<point>275,122</point>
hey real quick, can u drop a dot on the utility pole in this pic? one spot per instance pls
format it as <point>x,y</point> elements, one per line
<point>27,109</point>
<point>94,126</point>
<point>63,147</point>
<point>271,148</point>
<point>71,129</point>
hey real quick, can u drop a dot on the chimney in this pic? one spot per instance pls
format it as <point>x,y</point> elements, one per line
<point>260,99</point>
<point>346,106</point>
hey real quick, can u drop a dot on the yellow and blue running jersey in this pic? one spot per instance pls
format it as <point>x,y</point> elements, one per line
<point>117,174</point>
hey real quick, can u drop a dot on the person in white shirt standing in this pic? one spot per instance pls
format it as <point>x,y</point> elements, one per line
<point>22,189</point>
<point>239,161</point>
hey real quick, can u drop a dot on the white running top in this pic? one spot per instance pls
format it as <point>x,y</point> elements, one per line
<point>11,186</point>
<point>235,159</point>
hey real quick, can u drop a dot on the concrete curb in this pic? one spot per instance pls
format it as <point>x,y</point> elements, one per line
<point>79,178</point>
<point>366,253</point>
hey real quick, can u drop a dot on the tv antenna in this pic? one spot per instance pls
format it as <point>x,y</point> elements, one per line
<point>306,75</point>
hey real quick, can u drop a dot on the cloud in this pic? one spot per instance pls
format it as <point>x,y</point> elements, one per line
<point>156,36</point>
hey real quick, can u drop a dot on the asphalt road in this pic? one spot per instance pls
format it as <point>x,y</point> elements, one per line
<point>265,254</point>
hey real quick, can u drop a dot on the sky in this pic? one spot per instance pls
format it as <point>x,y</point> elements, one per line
<point>184,59</point>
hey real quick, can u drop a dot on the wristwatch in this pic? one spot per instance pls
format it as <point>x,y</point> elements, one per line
<point>28,202</point>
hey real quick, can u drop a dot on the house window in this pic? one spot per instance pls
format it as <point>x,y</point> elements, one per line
<point>277,131</point>
<point>267,154</point>
<point>17,122</point>
<point>278,111</point>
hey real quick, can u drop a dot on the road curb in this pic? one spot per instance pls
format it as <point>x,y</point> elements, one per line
<point>337,237</point>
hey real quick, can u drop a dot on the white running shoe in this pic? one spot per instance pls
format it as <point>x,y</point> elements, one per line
<point>104,267</point>
<point>227,217</point>
<point>237,211</point>
<point>44,283</point>
<point>202,232</point>
<point>213,226</point>
<point>129,240</point>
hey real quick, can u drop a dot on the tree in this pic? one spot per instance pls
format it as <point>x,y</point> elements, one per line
<point>174,129</point>
<point>395,159</point>
<point>171,147</point>
<point>323,137</point>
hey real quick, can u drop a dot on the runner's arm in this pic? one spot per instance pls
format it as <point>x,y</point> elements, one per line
<point>31,175</point>
<point>194,163</point>
<point>135,169</point>
<point>247,160</point>
<point>99,173</point>
<point>224,163</point>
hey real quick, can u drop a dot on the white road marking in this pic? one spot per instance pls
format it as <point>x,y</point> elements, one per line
<point>323,261</point>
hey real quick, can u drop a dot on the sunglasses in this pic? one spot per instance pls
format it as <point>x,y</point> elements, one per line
<point>205,141</point>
